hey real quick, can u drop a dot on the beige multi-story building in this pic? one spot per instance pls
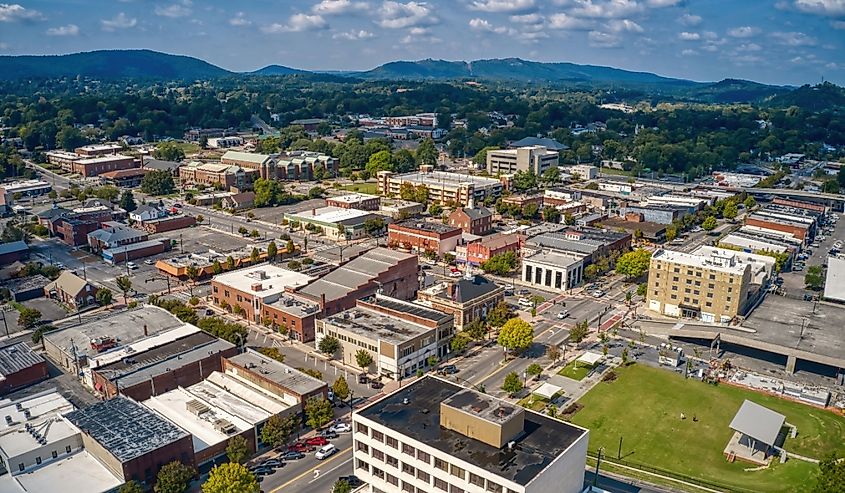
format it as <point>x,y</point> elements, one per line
<point>536,159</point>
<point>710,284</point>
<point>399,335</point>
<point>468,299</point>
<point>433,436</point>
<point>443,187</point>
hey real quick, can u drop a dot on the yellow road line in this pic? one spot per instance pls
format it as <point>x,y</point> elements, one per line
<point>311,471</point>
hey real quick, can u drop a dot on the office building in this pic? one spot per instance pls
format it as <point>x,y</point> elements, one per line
<point>710,284</point>
<point>399,335</point>
<point>554,269</point>
<point>253,287</point>
<point>360,201</point>
<point>226,176</point>
<point>467,299</point>
<point>592,242</point>
<point>291,165</point>
<point>478,252</point>
<point>434,436</point>
<point>533,159</point>
<point>296,314</point>
<point>443,187</point>
<point>423,236</point>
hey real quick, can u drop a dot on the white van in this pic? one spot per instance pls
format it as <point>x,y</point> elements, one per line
<point>326,451</point>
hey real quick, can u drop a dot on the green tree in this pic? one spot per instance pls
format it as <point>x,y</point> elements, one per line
<point>127,201</point>
<point>499,315</point>
<point>459,342</point>
<point>480,157</point>
<point>476,330</point>
<point>671,233</point>
<point>315,192</point>
<point>255,255</point>
<point>524,180</point>
<point>318,412</point>
<point>553,352</point>
<point>29,317</point>
<point>132,486</point>
<point>551,214</point>
<point>579,332</point>
<point>278,430</point>
<point>216,267</point>
<point>642,288</point>
<point>750,203</point>
<point>374,225</point>
<point>174,477</point>
<point>341,388</point>
<point>328,345</point>
<point>730,211</point>
<point>633,264</point>
<point>363,359</point>
<point>230,477</point>
<point>124,284</point>
<point>500,264</point>
<point>158,182</point>
<point>534,370</point>
<point>709,224</point>
<point>341,486</point>
<point>169,151</point>
<point>830,186</point>
<point>230,263</point>
<point>551,175</point>
<point>237,449</point>
<point>516,335</point>
<point>435,209</point>
<point>104,296</point>
<point>426,153</point>
<point>814,278</point>
<point>831,477</point>
<point>290,248</point>
<point>272,251</point>
<point>380,161</point>
<point>512,383</point>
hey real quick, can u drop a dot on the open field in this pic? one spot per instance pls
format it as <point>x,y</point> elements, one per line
<point>576,370</point>
<point>370,188</point>
<point>643,406</point>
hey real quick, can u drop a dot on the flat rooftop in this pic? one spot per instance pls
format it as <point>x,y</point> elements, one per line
<point>730,266</point>
<point>103,159</point>
<point>272,279</point>
<point>126,327</point>
<point>295,305</point>
<point>125,428</point>
<point>277,372</point>
<point>554,259</point>
<point>45,409</point>
<point>431,226</point>
<point>353,198</point>
<point>542,441</point>
<point>407,307</point>
<point>331,215</point>
<point>378,326</point>
<point>446,179</point>
<point>77,473</point>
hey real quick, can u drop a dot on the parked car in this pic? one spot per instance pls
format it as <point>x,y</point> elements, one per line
<point>131,265</point>
<point>291,455</point>
<point>263,471</point>
<point>317,441</point>
<point>375,384</point>
<point>525,302</point>
<point>325,452</point>
<point>329,434</point>
<point>448,370</point>
<point>149,261</point>
<point>341,428</point>
<point>353,480</point>
<point>300,447</point>
<point>363,378</point>
<point>455,273</point>
<point>271,463</point>
<point>598,293</point>
<point>523,291</point>
<point>563,314</point>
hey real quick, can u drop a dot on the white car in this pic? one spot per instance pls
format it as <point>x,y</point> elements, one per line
<point>131,265</point>
<point>149,262</point>
<point>563,314</point>
<point>341,428</point>
<point>525,302</point>
<point>455,273</point>
<point>325,452</point>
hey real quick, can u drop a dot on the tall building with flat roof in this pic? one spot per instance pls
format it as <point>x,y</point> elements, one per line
<point>443,187</point>
<point>254,286</point>
<point>434,436</point>
<point>534,159</point>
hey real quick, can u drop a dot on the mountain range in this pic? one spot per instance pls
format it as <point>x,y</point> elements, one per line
<point>147,64</point>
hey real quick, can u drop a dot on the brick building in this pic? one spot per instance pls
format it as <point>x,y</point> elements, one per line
<point>481,251</point>
<point>291,385</point>
<point>253,287</point>
<point>97,165</point>
<point>71,290</point>
<point>475,221</point>
<point>798,204</point>
<point>420,236</point>
<point>359,201</point>
<point>225,175</point>
<point>113,235</point>
<point>125,178</point>
<point>798,230</point>
<point>169,223</point>
<point>296,314</point>
<point>467,300</point>
<point>20,367</point>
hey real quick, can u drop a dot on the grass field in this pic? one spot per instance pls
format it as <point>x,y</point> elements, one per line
<point>371,188</point>
<point>576,370</point>
<point>534,402</point>
<point>643,405</point>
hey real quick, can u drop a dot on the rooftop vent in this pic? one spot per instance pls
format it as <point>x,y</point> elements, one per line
<point>405,401</point>
<point>196,407</point>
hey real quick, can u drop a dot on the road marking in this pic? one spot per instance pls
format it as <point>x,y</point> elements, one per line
<point>316,476</point>
<point>310,471</point>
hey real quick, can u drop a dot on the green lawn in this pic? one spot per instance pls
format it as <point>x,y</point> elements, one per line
<point>576,370</point>
<point>188,147</point>
<point>643,405</point>
<point>370,188</point>
<point>534,402</point>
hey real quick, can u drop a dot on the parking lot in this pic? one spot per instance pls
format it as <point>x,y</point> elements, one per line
<point>793,282</point>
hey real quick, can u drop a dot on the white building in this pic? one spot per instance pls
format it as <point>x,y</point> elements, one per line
<point>584,171</point>
<point>552,269</point>
<point>536,159</point>
<point>434,436</point>
<point>623,188</point>
<point>335,222</point>
<point>834,285</point>
<point>225,142</point>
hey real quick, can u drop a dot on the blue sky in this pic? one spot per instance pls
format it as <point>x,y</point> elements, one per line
<point>785,41</point>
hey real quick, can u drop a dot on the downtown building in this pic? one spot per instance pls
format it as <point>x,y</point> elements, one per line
<point>443,187</point>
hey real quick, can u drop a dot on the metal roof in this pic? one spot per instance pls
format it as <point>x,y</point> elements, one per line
<point>758,422</point>
<point>18,357</point>
<point>12,247</point>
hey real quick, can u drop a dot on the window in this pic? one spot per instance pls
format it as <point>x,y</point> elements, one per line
<point>493,487</point>
<point>674,296</point>
<point>689,281</point>
<point>455,489</point>
<point>457,471</point>
<point>689,272</point>
<point>696,292</point>
<point>423,456</point>
<point>709,295</point>
<point>677,269</point>
<point>730,289</point>
<point>441,464</point>
<point>409,469</point>
<point>440,484</point>
<point>392,480</point>
<point>360,428</point>
<point>362,447</point>
<point>729,299</point>
<point>408,487</point>
<point>656,293</point>
<point>711,286</point>
<point>21,466</point>
<point>674,288</point>
<point>38,460</point>
<point>55,454</point>
<point>67,449</point>
<point>423,476</point>
<point>391,442</point>
<point>708,304</point>
<point>686,290</point>
<point>240,298</point>
<point>698,283</point>
<point>675,278</point>
<point>378,473</point>
<point>476,480</point>
<point>686,300</point>
<point>712,276</point>
<point>363,465</point>
<point>408,450</point>
<point>392,461</point>
<point>378,455</point>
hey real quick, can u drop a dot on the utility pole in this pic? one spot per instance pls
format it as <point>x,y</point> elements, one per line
<point>598,465</point>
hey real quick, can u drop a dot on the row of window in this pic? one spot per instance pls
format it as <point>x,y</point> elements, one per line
<point>54,454</point>
<point>356,342</point>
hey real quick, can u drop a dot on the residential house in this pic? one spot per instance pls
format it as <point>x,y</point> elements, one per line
<point>146,213</point>
<point>473,220</point>
<point>71,290</point>
<point>113,235</point>
<point>239,201</point>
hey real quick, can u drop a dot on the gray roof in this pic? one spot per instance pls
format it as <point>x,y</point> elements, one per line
<point>434,227</point>
<point>107,235</point>
<point>27,283</point>
<point>125,428</point>
<point>18,357</point>
<point>477,213</point>
<point>469,289</point>
<point>758,422</point>
<point>53,213</point>
<point>146,208</point>
<point>543,439</point>
<point>280,373</point>
<point>355,274</point>
<point>158,164</point>
<point>13,247</point>
<point>551,144</point>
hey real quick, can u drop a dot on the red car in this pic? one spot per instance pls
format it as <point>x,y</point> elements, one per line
<point>317,441</point>
<point>301,447</point>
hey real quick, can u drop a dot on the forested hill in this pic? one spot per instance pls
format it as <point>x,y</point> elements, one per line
<point>108,64</point>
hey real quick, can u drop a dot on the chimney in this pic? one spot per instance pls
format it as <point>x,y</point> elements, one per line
<point>256,286</point>
<point>450,290</point>
<point>146,332</point>
<point>322,301</point>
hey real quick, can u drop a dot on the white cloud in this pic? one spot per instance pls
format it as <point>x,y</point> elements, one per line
<point>12,12</point>
<point>838,25</point>
<point>833,8</point>
<point>599,39</point>
<point>182,8</point>
<point>743,32</point>
<point>337,7</point>
<point>398,15</point>
<point>240,20</point>
<point>120,21</point>
<point>483,25</point>
<point>506,6</point>
<point>69,30</point>
<point>605,9</point>
<point>353,35</point>
<point>688,36</point>
<point>662,3</point>
<point>689,52</point>
<point>793,39</point>
<point>298,23</point>
<point>624,25</point>
<point>419,35</point>
<point>709,35</point>
<point>527,18</point>
<point>749,47</point>
<point>568,22</point>
<point>690,20</point>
